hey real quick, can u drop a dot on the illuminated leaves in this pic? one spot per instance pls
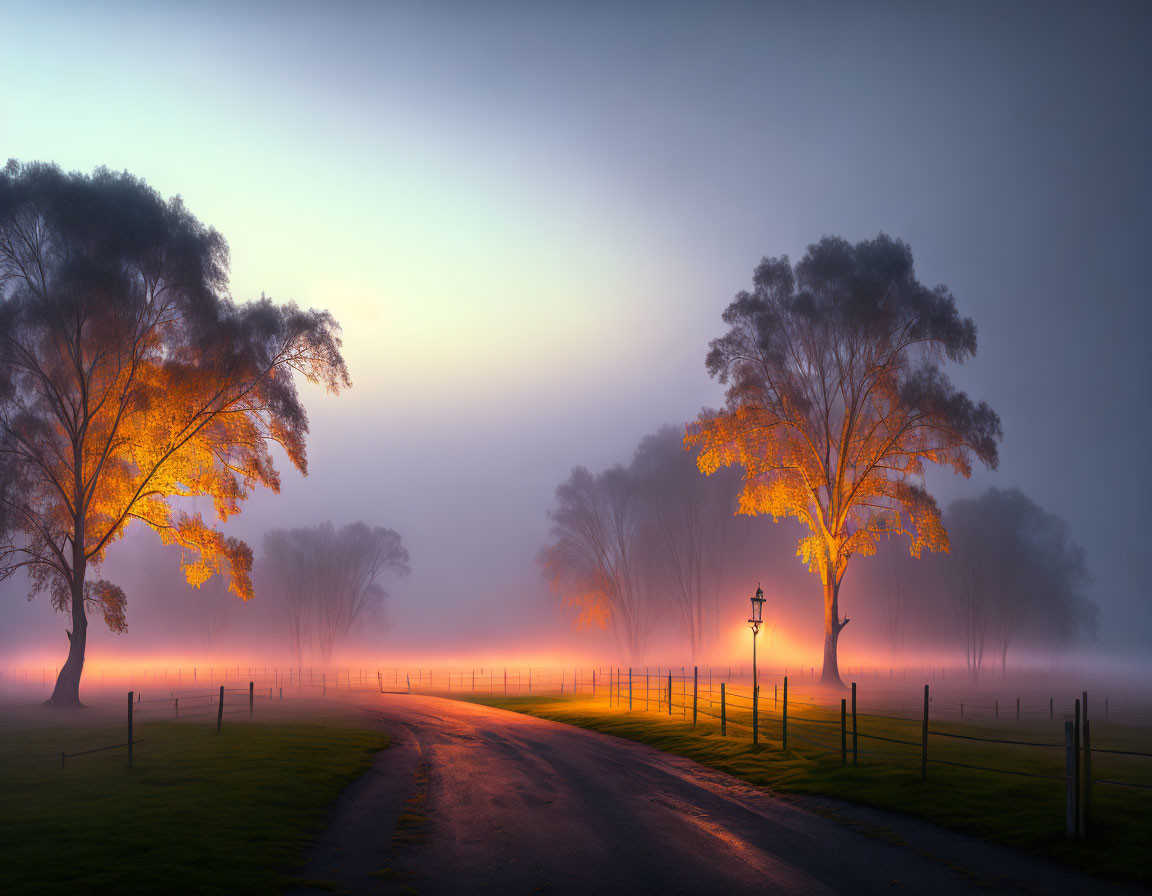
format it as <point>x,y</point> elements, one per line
<point>130,381</point>
<point>836,400</point>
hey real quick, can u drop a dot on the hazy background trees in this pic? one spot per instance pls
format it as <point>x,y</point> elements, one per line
<point>636,543</point>
<point>601,562</point>
<point>689,519</point>
<point>656,545</point>
<point>329,581</point>
<point>1016,576</point>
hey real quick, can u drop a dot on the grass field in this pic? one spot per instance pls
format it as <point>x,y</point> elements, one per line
<point>1024,812</point>
<point>198,813</point>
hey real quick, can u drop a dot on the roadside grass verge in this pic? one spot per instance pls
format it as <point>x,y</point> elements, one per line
<point>198,813</point>
<point>1023,812</point>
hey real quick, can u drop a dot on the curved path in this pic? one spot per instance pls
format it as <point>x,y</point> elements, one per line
<point>470,799</point>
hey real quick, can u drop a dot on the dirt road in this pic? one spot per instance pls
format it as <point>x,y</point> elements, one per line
<point>471,799</point>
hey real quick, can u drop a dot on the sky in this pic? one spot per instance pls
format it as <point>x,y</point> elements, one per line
<point>529,217</point>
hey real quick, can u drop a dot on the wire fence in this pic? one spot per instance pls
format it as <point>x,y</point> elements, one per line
<point>950,731</point>
<point>939,728</point>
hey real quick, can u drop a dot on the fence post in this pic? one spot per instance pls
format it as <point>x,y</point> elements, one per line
<point>723,713</point>
<point>1085,706</point>
<point>251,696</point>
<point>1076,767</point>
<point>843,731</point>
<point>784,717</point>
<point>695,691</point>
<point>755,714</point>
<point>408,678</point>
<point>323,684</point>
<point>220,710</point>
<point>593,683</point>
<point>1086,800</point>
<point>505,682</point>
<point>1050,708</point>
<point>629,689</point>
<point>130,713</point>
<point>854,753</point>
<point>924,739</point>
<point>1070,785</point>
<point>669,693</point>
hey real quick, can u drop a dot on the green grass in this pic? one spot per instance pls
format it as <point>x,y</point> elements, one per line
<point>199,813</point>
<point>1027,813</point>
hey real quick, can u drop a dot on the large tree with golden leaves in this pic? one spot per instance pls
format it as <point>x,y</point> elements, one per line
<point>836,400</point>
<point>130,379</point>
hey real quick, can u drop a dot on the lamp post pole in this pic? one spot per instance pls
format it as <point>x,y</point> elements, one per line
<point>754,622</point>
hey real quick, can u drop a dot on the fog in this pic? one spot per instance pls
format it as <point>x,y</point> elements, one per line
<point>528,221</point>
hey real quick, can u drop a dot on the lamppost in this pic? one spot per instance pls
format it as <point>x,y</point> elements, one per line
<point>754,621</point>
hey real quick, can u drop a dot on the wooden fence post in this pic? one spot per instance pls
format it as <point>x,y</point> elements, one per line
<point>1086,799</point>
<point>723,713</point>
<point>220,710</point>
<point>924,739</point>
<point>755,714</point>
<point>695,691</point>
<point>669,692</point>
<point>408,678</point>
<point>854,751</point>
<point>1076,767</point>
<point>1070,779</point>
<point>593,684</point>
<point>629,689</point>
<point>130,713</point>
<point>251,696</point>
<point>784,717</point>
<point>843,731</point>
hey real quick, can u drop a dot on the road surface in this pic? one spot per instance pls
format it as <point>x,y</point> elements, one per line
<point>475,800</point>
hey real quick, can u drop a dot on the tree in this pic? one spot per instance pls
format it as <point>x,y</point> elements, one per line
<point>329,576</point>
<point>1016,573</point>
<point>688,516</point>
<point>835,401</point>
<point>213,606</point>
<point>893,597</point>
<point>130,380</point>
<point>601,561</point>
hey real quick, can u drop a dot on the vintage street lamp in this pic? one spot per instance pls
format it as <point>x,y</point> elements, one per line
<point>754,621</point>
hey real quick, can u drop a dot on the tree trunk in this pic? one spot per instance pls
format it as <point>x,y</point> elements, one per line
<point>832,626</point>
<point>67,690</point>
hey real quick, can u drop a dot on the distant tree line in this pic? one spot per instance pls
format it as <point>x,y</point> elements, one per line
<point>1014,577</point>
<point>328,578</point>
<point>634,539</point>
<point>656,538</point>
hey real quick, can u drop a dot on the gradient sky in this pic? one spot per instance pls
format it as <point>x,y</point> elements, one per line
<point>529,217</point>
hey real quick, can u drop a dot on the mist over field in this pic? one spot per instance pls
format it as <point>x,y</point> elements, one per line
<point>528,238</point>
